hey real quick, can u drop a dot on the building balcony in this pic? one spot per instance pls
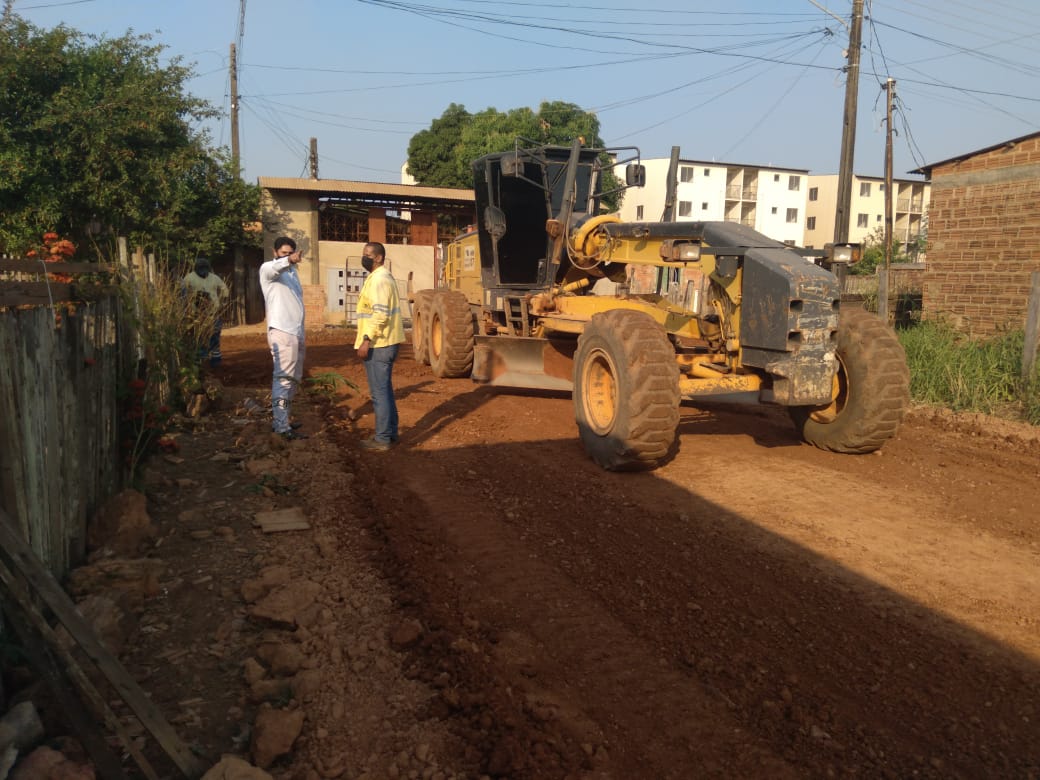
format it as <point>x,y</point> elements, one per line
<point>737,192</point>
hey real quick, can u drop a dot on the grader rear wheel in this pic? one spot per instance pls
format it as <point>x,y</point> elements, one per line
<point>626,391</point>
<point>421,326</point>
<point>871,389</point>
<point>451,334</point>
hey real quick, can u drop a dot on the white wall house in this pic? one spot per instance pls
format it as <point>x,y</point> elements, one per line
<point>867,209</point>
<point>771,200</point>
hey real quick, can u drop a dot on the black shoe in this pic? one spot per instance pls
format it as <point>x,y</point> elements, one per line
<point>296,425</point>
<point>292,435</point>
<point>375,444</point>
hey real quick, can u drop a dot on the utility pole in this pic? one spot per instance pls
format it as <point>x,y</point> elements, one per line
<point>314,158</point>
<point>848,134</point>
<point>890,88</point>
<point>235,158</point>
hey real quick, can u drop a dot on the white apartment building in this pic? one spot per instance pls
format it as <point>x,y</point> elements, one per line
<point>867,212</point>
<point>770,200</point>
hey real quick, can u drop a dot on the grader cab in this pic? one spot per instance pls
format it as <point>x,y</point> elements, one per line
<point>634,318</point>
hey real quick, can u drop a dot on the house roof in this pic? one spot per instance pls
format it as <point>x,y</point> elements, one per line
<point>927,169</point>
<point>719,164</point>
<point>399,193</point>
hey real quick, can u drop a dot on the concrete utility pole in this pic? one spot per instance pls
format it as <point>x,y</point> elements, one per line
<point>890,88</point>
<point>314,158</point>
<point>848,134</point>
<point>235,158</point>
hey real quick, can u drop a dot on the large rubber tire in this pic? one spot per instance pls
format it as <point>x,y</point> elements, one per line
<point>421,327</point>
<point>626,391</point>
<point>872,389</point>
<point>451,334</point>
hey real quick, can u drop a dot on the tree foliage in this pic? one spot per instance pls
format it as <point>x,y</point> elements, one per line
<point>440,156</point>
<point>873,247</point>
<point>98,139</point>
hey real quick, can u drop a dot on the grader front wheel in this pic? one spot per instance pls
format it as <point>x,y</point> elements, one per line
<point>871,389</point>
<point>421,326</point>
<point>626,391</point>
<point>451,335</point>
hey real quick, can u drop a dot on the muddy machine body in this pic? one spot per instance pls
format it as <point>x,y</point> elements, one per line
<point>634,318</point>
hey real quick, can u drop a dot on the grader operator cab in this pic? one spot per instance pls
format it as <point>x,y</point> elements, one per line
<point>633,318</point>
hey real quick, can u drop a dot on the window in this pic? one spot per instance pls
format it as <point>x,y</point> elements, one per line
<point>879,218</point>
<point>707,171</point>
<point>776,177</point>
<point>862,220</point>
<point>881,187</point>
<point>704,206</point>
<point>685,208</point>
<point>639,212</point>
<point>814,193</point>
<point>774,209</point>
<point>338,224</point>
<point>792,215</point>
<point>794,183</point>
<point>810,223</point>
<point>864,189</point>
<point>398,231</point>
<point>686,173</point>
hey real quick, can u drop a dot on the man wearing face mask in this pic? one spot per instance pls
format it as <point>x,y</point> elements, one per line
<point>380,331</point>
<point>283,297</point>
<point>205,285</point>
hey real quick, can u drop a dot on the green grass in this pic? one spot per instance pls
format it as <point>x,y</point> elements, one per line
<point>950,370</point>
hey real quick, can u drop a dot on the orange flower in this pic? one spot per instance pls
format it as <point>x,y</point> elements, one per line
<point>50,236</point>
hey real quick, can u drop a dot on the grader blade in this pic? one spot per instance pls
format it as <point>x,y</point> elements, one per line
<point>517,361</point>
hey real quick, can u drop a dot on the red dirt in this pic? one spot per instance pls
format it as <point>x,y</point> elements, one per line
<point>754,608</point>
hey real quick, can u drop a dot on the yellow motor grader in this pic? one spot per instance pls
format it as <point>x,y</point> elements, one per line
<point>633,318</point>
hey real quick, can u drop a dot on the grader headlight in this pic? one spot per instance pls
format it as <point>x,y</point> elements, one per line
<point>680,251</point>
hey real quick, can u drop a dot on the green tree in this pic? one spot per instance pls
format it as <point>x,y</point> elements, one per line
<point>98,138</point>
<point>873,253</point>
<point>441,155</point>
<point>433,158</point>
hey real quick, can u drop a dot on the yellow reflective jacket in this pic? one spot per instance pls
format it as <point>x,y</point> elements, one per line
<point>379,310</point>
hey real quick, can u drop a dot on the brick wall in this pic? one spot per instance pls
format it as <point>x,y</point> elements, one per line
<point>314,306</point>
<point>984,238</point>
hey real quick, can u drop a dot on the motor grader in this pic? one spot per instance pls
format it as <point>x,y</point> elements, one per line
<point>633,318</point>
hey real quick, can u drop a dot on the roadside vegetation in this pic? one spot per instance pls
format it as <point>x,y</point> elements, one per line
<point>948,369</point>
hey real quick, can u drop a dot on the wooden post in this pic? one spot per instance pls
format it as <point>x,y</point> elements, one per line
<point>882,294</point>
<point>238,288</point>
<point>1032,328</point>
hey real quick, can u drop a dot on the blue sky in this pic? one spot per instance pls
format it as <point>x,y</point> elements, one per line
<point>757,82</point>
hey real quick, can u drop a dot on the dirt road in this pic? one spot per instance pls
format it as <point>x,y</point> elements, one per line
<point>754,608</point>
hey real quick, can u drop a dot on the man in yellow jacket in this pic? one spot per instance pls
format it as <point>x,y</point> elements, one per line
<point>380,331</point>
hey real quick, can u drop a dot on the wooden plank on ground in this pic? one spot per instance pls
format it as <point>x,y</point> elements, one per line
<point>19,556</point>
<point>291,519</point>
<point>46,665</point>
<point>28,614</point>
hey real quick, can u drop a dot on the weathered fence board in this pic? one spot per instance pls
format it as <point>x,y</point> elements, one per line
<point>59,422</point>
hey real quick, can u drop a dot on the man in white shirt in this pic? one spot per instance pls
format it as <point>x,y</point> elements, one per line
<point>283,297</point>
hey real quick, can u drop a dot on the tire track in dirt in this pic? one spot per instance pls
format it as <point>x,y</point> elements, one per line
<point>602,684</point>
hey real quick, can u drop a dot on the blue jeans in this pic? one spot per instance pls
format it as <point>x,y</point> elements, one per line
<point>379,368</point>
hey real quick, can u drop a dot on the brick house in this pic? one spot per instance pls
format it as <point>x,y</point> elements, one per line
<point>984,236</point>
<point>331,220</point>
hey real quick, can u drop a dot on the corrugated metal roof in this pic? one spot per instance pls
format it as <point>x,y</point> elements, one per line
<point>341,186</point>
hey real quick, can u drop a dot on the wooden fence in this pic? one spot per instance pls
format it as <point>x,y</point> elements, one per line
<point>63,359</point>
